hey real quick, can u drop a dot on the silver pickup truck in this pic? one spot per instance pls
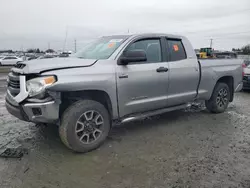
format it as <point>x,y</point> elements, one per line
<point>118,79</point>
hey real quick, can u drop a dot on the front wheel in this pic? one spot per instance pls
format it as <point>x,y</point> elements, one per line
<point>85,125</point>
<point>219,100</point>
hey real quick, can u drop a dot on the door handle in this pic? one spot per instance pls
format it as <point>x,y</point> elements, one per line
<point>123,76</point>
<point>162,69</point>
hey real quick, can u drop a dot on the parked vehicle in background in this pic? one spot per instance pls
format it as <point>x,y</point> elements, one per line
<point>64,54</point>
<point>46,57</point>
<point>225,55</point>
<point>118,79</point>
<point>246,78</point>
<point>31,57</point>
<point>10,60</point>
<point>247,62</point>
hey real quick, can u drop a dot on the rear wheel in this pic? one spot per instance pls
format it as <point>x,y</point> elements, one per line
<point>219,100</point>
<point>85,125</point>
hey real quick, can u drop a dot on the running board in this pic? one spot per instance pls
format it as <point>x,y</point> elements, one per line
<point>152,113</point>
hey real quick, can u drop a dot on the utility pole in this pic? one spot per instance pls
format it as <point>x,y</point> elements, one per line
<point>75,45</point>
<point>211,43</point>
<point>65,40</point>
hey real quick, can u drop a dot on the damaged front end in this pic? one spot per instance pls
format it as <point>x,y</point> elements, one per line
<point>28,98</point>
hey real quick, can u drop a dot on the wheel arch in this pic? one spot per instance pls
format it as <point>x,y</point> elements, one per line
<point>69,97</point>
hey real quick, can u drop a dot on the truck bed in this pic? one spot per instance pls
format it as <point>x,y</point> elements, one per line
<point>218,68</point>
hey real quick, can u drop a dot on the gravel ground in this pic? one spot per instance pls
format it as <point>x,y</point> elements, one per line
<point>189,148</point>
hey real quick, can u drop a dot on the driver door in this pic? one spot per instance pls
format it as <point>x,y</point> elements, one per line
<point>142,86</point>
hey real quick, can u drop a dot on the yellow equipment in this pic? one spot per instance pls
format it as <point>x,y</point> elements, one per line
<point>206,53</point>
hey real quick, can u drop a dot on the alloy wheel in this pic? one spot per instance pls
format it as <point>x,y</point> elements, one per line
<point>89,126</point>
<point>222,98</point>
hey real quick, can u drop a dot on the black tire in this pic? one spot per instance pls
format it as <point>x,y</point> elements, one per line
<point>218,103</point>
<point>68,128</point>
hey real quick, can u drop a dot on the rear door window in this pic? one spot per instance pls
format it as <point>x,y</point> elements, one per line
<point>177,51</point>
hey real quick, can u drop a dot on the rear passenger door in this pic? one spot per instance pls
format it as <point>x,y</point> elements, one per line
<point>183,73</point>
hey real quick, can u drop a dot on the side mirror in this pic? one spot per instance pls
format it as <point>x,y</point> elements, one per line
<point>132,56</point>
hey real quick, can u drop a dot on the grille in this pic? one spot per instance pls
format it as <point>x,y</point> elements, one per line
<point>13,84</point>
<point>20,65</point>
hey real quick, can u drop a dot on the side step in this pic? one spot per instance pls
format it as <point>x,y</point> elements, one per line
<point>152,113</point>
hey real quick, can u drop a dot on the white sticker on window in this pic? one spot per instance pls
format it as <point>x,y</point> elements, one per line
<point>115,40</point>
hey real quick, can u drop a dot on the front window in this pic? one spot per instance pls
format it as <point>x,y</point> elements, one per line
<point>152,48</point>
<point>101,48</point>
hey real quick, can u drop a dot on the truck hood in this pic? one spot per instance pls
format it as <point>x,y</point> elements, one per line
<point>43,65</point>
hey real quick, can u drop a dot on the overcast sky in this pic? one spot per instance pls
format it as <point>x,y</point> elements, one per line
<point>40,23</point>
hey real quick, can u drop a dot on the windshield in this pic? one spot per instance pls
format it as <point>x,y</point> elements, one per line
<point>101,48</point>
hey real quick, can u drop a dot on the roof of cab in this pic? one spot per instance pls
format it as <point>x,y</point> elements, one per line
<point>159,35</point>
<point>147,35</point>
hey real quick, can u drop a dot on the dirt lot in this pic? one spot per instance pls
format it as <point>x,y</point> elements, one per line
<point>189,148</point>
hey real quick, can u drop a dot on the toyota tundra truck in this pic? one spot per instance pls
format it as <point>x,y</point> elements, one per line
<point>117,79</point>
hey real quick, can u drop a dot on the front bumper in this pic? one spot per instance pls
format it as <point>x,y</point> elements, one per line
<point>16,111</point>
<point>44,112</point>
<point>47,112</point>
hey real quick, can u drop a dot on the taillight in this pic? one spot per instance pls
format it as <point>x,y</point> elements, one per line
<point>243,66</point>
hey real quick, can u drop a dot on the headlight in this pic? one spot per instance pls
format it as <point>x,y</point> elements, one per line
<point>37,86</point>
